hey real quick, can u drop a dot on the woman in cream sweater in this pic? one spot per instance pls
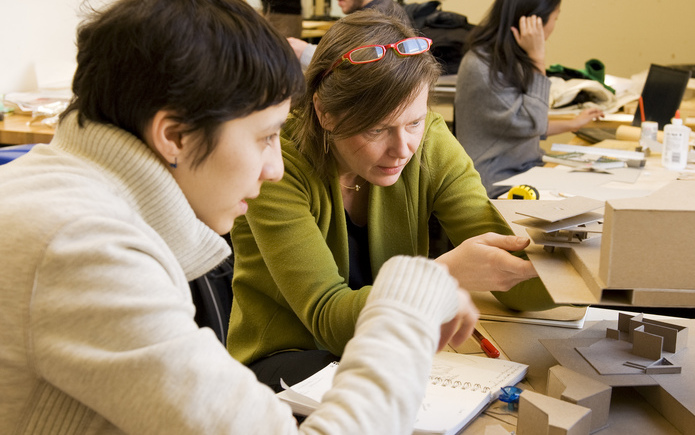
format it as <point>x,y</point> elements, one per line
<point>173,125</point>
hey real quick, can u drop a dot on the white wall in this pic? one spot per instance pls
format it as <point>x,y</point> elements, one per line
<point>40,35</point>
<point>627,35</point>
<point>42,31</point>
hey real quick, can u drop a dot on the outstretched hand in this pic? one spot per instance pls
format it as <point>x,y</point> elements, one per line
<point>587,116</point>
<point>531,38</point>
<point>458,329</point>
<point>483,263</point>
<point>557,126</point>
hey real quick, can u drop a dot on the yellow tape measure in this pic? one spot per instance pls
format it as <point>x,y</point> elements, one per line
<point>523,191</point>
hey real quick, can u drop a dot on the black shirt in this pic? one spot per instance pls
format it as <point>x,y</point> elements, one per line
<point>358,247</point>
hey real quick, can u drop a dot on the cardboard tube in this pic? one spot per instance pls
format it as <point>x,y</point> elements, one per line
<point>631,133</point>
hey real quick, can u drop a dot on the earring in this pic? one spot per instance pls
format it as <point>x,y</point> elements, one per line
<point>325,141</point>
<point>175,164</point>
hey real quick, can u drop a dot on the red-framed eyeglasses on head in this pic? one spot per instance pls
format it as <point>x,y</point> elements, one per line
<point>372,53</point>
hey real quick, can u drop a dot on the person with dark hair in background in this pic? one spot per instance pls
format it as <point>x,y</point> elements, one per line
<point>366,166</point>
<point>174,124</point>
<point>285,16</point>
<point>502,93</point>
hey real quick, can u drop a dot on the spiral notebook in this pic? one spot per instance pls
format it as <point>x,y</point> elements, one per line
<point>460,388</point>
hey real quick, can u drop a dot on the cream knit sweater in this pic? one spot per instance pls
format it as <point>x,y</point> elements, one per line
<point>96,320</point>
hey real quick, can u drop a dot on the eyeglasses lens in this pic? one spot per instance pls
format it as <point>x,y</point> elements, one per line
<point>367,54</point>
<point>412,46</point>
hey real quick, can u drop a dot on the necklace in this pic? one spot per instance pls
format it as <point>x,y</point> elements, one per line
<point>356,187</point>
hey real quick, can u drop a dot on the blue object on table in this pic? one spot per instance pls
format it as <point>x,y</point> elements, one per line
<point>510,395</point>
<point>7,154</point>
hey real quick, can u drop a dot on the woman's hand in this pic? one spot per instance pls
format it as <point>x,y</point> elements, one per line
<point>531,38</point>
<point>458,329</point>
<point>483,263</point>
<point>558,126</point>
<point>586,117</point>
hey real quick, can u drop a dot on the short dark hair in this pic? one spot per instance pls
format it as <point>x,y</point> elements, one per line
<point>207,61</point>
<point>493,40</point>
<point>359,96</point>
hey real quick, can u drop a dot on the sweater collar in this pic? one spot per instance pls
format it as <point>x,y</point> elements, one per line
<point>143,180</point>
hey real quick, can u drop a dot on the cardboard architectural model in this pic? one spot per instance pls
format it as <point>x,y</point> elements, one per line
<point>636,253</point>
<point>543,415</point>
<point>573,387</point>
<point>562,223</point>
<point>659,361</point>
<point>638,343</point>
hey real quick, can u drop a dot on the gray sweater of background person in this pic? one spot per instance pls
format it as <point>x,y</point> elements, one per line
<point>499,127</point>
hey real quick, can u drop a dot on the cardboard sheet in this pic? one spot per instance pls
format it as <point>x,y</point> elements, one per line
<point>545,226</point>
<point>608,356</point>
<point>491,309</point>
<point>554,211</point>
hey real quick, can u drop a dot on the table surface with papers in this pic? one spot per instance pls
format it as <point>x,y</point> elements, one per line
<point>630,412</point>
<point>559,182</point>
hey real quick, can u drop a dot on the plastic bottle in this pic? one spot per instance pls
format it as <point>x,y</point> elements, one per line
<point>648,133</point>
<point>675,153</point>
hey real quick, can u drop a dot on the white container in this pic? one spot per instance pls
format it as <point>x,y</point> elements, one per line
<point>648,134</point>
<point>675,153</point>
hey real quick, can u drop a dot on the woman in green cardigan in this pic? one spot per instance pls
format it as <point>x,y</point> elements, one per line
<point>366,165</point>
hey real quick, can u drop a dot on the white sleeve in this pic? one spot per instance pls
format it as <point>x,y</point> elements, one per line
<point>112,329</point>
<point>381,380</point>
<point>307,55</point>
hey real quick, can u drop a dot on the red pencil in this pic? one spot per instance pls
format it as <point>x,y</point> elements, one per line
<point>641,107</point>
<point>489,349</point>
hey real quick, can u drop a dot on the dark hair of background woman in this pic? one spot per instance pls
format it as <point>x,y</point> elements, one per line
<point>493,40</point>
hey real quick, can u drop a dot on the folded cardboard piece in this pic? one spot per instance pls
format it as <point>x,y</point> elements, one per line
<point>541,414</point>
<point>643,256</point>
<point>570,386</point>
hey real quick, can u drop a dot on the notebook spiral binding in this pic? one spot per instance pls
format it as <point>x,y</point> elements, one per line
<point>446,382</point>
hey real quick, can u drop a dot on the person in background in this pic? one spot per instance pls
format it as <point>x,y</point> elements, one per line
<point>305,51</point>
<point>502,93</point>
<point>366,165</point>
<point>173,126</point>
<point>385,6</point>
<point>285,16</point>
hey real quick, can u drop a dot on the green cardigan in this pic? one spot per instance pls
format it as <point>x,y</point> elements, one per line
<point>291,248</point>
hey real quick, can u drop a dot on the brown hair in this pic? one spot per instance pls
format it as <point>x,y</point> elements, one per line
<point>358,96</point>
